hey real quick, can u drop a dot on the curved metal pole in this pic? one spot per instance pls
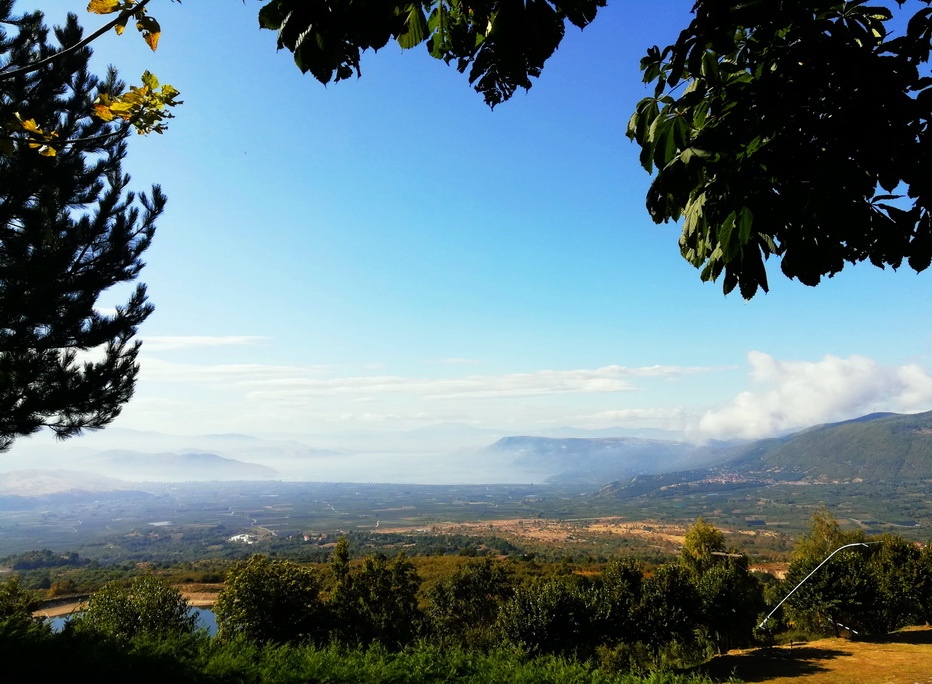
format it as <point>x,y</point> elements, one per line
<point>846,546</point>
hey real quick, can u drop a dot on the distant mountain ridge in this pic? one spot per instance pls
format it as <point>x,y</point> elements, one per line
<point>38,483</point>
<point>880,447</point>
<point>174,467</point>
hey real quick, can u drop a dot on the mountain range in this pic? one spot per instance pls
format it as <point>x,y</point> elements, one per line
<point>880,446</point>
<point>877,448</point>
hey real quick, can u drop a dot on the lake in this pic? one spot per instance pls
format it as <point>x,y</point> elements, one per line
<point>205,620</point>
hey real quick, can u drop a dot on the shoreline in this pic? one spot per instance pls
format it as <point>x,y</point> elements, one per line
<point>195,599</point>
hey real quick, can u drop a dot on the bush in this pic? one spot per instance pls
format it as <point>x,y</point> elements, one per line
<point>265,600</point>
<point>17,605</point>
<point>548,618</point>
<point>146,605</point>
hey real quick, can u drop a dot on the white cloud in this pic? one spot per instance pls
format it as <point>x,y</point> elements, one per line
<point>669,418</point>
<point>788,395</point>
<point>299,395</point>
<point>454,362</point>
<point>223,374</point>
<point>168,343</point>
<point>269,379</point>
<point>539,383</point>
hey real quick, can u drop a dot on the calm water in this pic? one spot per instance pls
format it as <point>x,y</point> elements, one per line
<point>205,619</point>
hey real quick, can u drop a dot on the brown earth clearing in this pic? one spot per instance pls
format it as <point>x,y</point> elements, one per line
<point>664,537</point>
<point>904,657</point>
<point>650,535</point>
<point>201,595</point>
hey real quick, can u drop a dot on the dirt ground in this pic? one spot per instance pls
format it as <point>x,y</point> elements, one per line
<point>61,609</point>
<point>663,536</point>
<point>901,658</point>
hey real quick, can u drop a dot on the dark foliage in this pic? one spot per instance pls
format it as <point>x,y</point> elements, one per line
<point>462,608</point>
<point>797,129</point>
<point>69,230</point>
<point>271,601</point>
<point>502,44</point>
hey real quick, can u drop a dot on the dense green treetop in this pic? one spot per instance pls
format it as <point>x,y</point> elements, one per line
<point>700,545</point>
<point>795,129</point>
<point>145,605</point>
<point>270,600</point>
<point>501,43</point>
<point>17,602</point>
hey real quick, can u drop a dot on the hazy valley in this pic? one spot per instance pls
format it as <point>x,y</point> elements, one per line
<point>873,473</point>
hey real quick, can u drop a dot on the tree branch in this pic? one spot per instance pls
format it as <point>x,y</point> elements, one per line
<point>122,17</point>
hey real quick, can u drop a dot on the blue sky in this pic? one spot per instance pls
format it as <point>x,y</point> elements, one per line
<point>386,254</point>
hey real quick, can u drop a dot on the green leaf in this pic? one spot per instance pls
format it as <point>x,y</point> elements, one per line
<point>416,30</point>
<point>745,223</point>
<point>709,67</point>
<point>680,132</point>
<point>271,16</point>
<point>691,153</point>
<point>149,80</point>
<point>726,238</point>
<point>666,145</point>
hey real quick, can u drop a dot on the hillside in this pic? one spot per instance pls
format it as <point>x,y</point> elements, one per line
<point>176,467</point>
<point>873,473</point>
<point>878,447</point>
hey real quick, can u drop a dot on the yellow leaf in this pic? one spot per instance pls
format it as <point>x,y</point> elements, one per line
<point>149,80</point>
<point>121,108</point>
<point>102,112</point>
<point>30,125</point>
<point>150,29</point>
<point>103,6</point>
<point>120,27</point>
<point>47,151</point>
<point>135,95</point>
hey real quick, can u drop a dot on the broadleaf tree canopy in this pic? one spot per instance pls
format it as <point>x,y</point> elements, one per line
<point>795,129</point>
<point>502,44</point>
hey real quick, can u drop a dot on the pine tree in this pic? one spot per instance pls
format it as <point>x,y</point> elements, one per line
<point>70,231</point>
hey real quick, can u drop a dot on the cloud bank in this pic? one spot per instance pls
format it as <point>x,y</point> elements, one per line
<point>788,395</point>
<point>702,402</point>
<point>269,382</point>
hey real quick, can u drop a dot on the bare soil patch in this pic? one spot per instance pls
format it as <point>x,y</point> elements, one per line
<point>664,537</point>
<point>60,609</point>
<point>904,657</point>
<point>201,595</point>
